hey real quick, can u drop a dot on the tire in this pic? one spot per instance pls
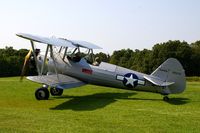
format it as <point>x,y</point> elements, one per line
<point>166,98</point>
<point>55,91</point>
<point>42,94</point>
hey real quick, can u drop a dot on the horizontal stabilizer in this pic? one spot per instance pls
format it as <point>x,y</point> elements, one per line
<point>157,81</point>
<point>59,81</point>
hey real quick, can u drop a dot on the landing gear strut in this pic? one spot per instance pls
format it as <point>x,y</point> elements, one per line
<point>42,94</point>
<point>166,98</point>
<point>55,91</point>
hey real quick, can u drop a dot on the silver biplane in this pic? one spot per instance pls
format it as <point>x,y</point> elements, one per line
<point>66,64</point>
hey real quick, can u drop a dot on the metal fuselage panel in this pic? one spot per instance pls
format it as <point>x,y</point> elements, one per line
<point>105,74</point>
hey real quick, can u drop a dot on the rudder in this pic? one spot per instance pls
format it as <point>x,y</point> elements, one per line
<point>171,71</point>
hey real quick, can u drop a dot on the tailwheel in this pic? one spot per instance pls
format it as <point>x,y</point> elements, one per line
<point>42,94</point>
<point>166,98</point>
<point>56,91</point>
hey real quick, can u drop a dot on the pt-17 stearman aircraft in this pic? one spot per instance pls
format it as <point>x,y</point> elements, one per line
<point>65,65</point>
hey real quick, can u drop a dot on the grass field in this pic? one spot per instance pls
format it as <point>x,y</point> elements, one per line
<point>91,109</point>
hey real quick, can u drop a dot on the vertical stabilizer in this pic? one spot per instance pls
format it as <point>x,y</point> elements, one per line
<point>171,71</point>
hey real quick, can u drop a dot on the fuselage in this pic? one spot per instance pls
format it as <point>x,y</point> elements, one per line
<point>104,74</point>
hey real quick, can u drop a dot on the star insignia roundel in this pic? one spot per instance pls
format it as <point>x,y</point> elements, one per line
<point>130,80</point>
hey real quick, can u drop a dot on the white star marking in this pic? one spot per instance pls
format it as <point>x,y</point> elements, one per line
<point>130,80</point>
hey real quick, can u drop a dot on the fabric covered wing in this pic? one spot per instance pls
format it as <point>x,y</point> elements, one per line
<point>59,81</point>
<point>85,44</point>
<point>157,81</point>
<point>47,40</point>
<point>58,41</point>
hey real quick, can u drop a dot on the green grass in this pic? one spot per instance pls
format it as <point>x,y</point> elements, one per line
<point>191,79</point>
<point>91,109</point>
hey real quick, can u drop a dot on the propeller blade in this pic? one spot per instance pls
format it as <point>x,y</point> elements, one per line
<point>27,57</point>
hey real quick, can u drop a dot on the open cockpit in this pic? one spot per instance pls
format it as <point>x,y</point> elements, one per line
<point>76,54</point>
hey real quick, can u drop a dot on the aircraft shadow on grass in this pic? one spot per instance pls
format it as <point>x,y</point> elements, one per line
<point>178,101</point>
<point>100,100</point>
<point>90,102</point>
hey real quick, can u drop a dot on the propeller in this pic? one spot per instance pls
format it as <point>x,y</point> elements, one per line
<point>26,60</point>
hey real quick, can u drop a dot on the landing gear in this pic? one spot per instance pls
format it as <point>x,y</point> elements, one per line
<point>55,91</point>
<point>166,98</point>
<point>42,94</point>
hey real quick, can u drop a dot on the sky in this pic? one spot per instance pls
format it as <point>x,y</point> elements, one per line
<point>111,24</point>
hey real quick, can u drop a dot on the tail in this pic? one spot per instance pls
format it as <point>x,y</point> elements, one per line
<point>171,71</point>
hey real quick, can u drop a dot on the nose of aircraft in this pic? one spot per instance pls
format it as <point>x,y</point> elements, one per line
<point>29,61</point>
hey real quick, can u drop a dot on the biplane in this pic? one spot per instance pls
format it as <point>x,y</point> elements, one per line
<point>70,63</point>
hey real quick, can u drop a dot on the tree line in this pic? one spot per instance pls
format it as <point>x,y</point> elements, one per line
<point>11,61</point>
<point>146,61</point>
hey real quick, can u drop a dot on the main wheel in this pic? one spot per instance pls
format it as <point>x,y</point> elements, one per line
<point>55,91</point>
<point>42,94</point>
<point>166,98</point>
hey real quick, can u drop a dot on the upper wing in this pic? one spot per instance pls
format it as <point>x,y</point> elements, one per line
<point>58,41</point>
<point>47,40</point>
<point>85,44</point>
<point>157,81</point>
<point>64,81</point>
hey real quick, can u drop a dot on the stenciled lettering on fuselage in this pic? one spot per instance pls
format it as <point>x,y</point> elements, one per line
<point>130,80</point>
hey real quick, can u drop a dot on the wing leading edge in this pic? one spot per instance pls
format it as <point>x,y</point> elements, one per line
<point>64,81</point>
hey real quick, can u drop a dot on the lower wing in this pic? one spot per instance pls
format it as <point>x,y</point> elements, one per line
<point>59,81</point>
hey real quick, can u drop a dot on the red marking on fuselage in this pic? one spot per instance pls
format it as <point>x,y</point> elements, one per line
<point>87,71</point>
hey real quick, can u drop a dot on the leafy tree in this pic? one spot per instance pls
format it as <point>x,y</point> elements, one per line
<point>172,49</point>
<point>103,57</point>
<point>195,59</point>
<point>11,61</point>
